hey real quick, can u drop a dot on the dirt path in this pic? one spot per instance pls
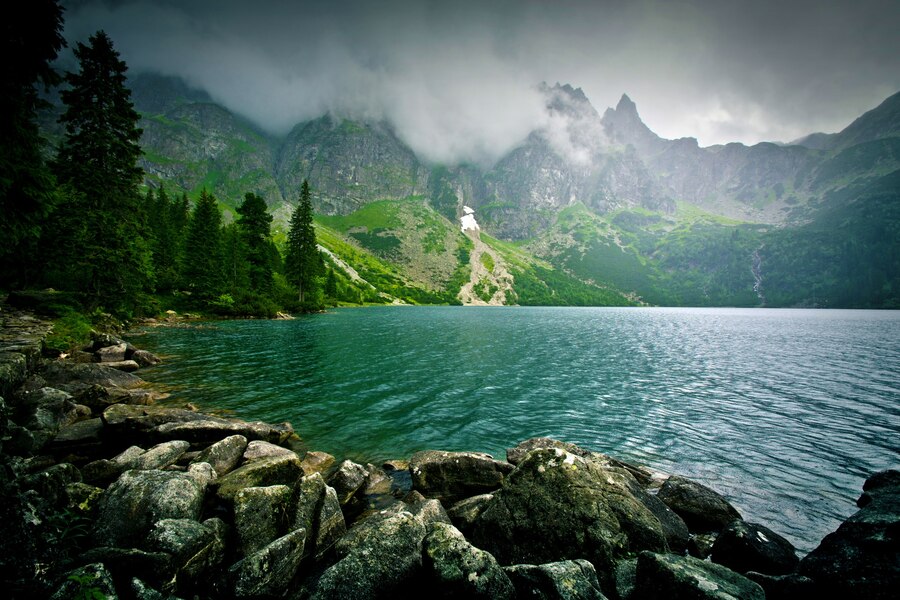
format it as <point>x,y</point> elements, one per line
<point>498,281</point>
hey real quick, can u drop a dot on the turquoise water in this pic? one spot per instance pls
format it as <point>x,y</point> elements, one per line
<point>784,411</point>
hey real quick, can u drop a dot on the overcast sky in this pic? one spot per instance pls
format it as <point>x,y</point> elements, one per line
<point>457,78</point>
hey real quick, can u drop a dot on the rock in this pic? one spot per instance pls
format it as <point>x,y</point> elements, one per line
<point>161,455</point>
<point>143,591</point>
<point>703,509</point>
<point>82,498</point>
<point>50,484</point>
<point>269,571</point>
<point>460,569</point>
<point>202,473</point>
<point>81,435</point>
<point>88,581</point>
<point>99,398</point>
<point>463,513</point>
<point>80,375</point>
<point>330,524</point>
<point>862,558</point>
<point>673,526</point>
<point>260,515</point>
<point>347,480</point>
<point>557,506</point>
<point>224,455</point>
<point>109,354</point>
<point>13,369</point>
<point>515,455</point>
<point>672,577</point>
<point>626,577</point>
<point>48,409</point>
<point>105,340</point>
<point>195,547</point>
<point>275,470</point>
<point>565,580</point>
<point>377,481</point>
<point>128,366</point>
<point>125,563</point>
<point>138,499</point>
<point>701,544</point>
<point>317,462</point>
<point>784,587</point>
<point>258,449</point>
<point>145,359</point>
<point>452,476</point>
<point>743,547</point>
<point>318,511</point>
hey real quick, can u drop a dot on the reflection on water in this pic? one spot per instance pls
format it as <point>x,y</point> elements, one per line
<point>784,411</point>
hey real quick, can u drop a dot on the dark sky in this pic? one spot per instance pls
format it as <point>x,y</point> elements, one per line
<point>457,78</point>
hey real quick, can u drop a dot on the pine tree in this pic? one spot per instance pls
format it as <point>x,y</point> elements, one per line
<point>331,284</point>
<point>30,42</point>
<point>303,264</point>
<point>102,224</point>
<point>255,228</point>
<point>236,269</point>
<point>202,266</point>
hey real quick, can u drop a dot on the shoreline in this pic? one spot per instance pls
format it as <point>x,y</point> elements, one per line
<point>433,512</point>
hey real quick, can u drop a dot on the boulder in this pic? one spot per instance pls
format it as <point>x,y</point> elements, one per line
<point>195,547</point>
<point>89,581</point>
<point>143,591</point>
<point>557,506</point>
<point>109,354</point>
<point>703,509</point>
<point>105,340</point>
<point>125,563</point>
<point>137,499</point>
<point>99,398</point>
<point>103,471</point>
<point>330,524</point>
<point>269,571</point>
<point>564,580</point>
<point>377,481</point>
<point>744,546</point>
<point>50,484</point>
<point>461,570</point>
<point>463,513</point>
<point>317,462</point>
<point>515,455</point>
<point>13,369</point>
<point>861,559</point>
<point>275,470</point>
<point>452,476</point>
<point>224,455</point>
<point>128,366</point>
<point>784,587</point>
<point>347,480</point>
<point>319,512</point>
<point>81,436</point>
<point>258,449</point>
<point>77,376</point>
<point>701,544</point>
<point>161,455</point>
<point>673,577</point>
<point>81,498</point>
<point>145,359</point>
<point>260,515</point>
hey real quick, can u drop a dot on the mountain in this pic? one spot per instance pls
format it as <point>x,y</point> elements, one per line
<point>597,205</point>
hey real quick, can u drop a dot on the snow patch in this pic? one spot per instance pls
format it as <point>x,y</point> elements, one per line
<point>468,221</point>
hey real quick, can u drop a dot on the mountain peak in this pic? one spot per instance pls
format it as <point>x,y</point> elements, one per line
<point>626,105</point>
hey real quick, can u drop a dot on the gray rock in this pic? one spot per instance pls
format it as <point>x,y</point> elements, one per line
<point>862,558</point>
<point>79,436</point>
<point>674,527</point>
<point>104,340</point>
<point>51,483</point>
<point>744,547</point>
<point>317,462</point>
<point>48,409</point>
<point>81,497</point>
<point>145,359</point>
<point>84,581</point>
<point>196,548</point>
<point>269,572</point>
<point>701,544</point>
<point>260,516</point>
<point>463,513</point>
<point>557,506</point>
<point>109,354</point>
<point>330,524</point>
<point>258,449</point>
<point>515,455</point>
<point>79,375</point>
<point>347,480</point>
<point>785,587</point>
<point>672,577</point>
<point>103,471</point>
<point>13,369</point>
<point>143,591</point>
<point>626,577</point>
<point>377,481</point>
<point>275,470</point>
<point>224,455</point>
<point>703,509</point>
<point>318,511</point>
<point>137,499</point>
<point>460,569</point>
<point>128,366</point>
<point>565,580</point>
<point>153,567</point>
<point>161,455</point>
<point>452,476</point>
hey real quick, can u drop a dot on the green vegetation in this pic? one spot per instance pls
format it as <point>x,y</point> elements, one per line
<point>303,264</point>
<point>71,330</point>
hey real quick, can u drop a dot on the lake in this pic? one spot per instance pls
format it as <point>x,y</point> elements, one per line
<point>783,411</point>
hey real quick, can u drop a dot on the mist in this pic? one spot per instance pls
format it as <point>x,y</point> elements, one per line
<point>459,81</point>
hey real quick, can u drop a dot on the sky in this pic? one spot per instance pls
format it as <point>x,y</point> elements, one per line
<point>458,79</point>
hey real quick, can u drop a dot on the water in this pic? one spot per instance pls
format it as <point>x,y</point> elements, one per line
<point>784,411</point>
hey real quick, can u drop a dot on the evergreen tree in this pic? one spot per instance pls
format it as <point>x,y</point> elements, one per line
<point>303,264</point>
<point>165,242</point>
<point>254,225</point>
<point>103,221</point>
<point>202,266</point>
<point>331,285</point>
<point>30,42</point>
<point>234,262</point>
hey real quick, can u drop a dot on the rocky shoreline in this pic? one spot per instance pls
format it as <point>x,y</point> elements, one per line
<point>106,494</point>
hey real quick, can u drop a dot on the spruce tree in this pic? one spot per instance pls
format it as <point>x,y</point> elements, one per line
<point>202,266</point>
<point>255,227</point>
<point>102,223</point>
<point>303,264</point>
<point>30,42</point>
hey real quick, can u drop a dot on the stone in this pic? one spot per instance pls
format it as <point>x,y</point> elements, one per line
<point>317,462</point>
<point>48,409</point>
<point>80,375</point>
<point>330,524</point>
<point>626,577</point>
<point>515,455</point>
<point>673,577</point>
<point>347,480</point>
<point>318,511</point>
<point>702,509</point>
<point>105,340</point>
<point>78,435</point>
<point>861,559</point>
<point>145,359</point>
<point>84,581</point>
<point>161,455</point>
<point>463,513</point>
<point>82,498</point>
<point>564,580</point>
<point>137,499</point>
<point>143,591</point>
<point>377,481</point>
<point>452,476</point>
<point>224,455</point>
<point>13,370</point>
<point>269,571</point>
<point>557,506</point>
<point>274,470</point>
<point>195,548</point>
<point>744,546</point>
<point>701,544</point>
<point>258,449</point>
<point>460,569</point>
<point>125,563</point>
<point>50,483</point>
<point>260,515</point>
<point>784,587</point>
<point>109,354</point>
<point>128,366</point>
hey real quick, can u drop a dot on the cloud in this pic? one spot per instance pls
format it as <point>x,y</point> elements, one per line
<point>457,80</point>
